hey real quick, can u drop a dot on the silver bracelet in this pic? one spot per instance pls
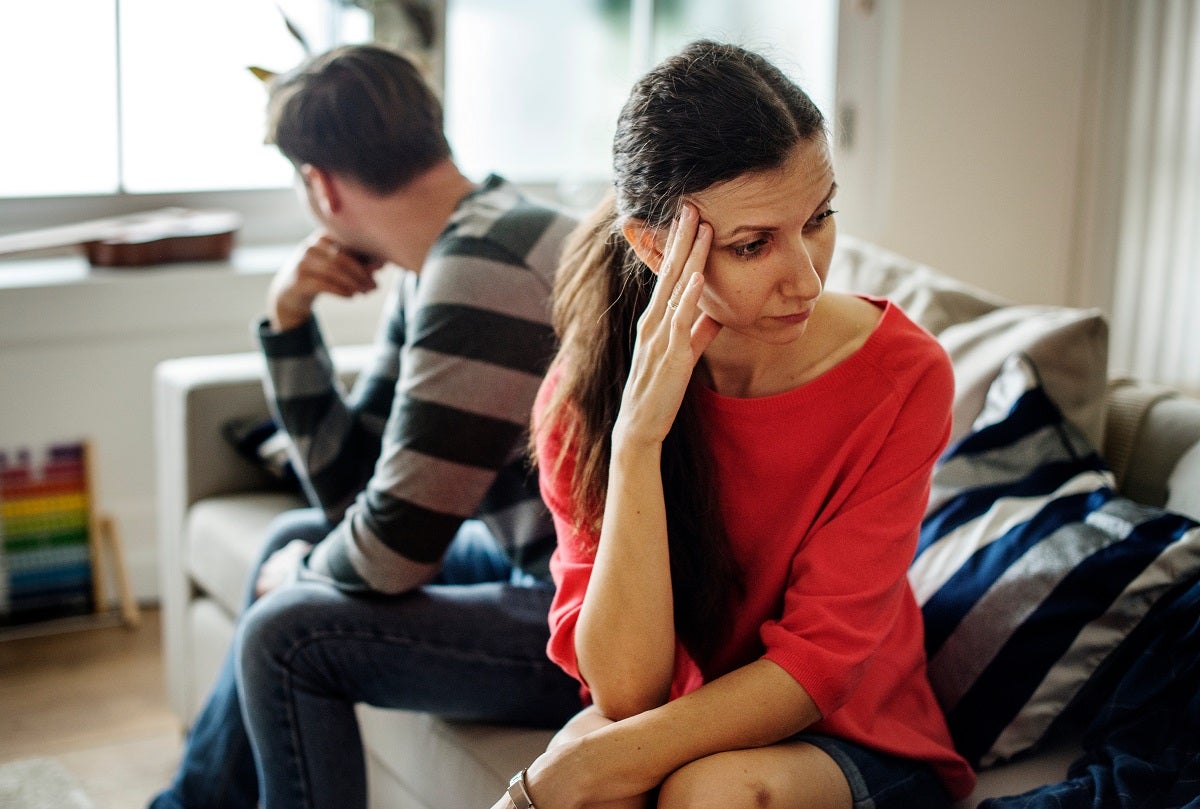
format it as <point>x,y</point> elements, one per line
<point>518,793</point>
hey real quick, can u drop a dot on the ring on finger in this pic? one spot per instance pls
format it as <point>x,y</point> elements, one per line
<point>672,305</point>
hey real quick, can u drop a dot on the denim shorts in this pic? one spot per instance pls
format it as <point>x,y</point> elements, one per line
<point>880,781</point>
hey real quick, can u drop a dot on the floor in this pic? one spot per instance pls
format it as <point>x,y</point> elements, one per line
<point>94,699</point>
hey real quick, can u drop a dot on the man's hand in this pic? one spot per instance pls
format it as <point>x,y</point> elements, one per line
<point>319,265</point>
<point>280,566</point>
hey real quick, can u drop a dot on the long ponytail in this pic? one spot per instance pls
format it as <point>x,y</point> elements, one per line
<point>600,292</point>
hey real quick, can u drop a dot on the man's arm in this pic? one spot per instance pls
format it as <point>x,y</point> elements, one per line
<point>457,429</point>
<point>335,439</point>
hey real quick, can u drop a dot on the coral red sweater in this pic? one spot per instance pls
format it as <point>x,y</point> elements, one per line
<point>822,490</point>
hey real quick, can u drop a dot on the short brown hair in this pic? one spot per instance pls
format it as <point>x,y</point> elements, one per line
<point>359,110</point>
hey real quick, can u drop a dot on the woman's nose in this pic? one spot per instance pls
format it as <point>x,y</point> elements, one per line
<point>801,277</point>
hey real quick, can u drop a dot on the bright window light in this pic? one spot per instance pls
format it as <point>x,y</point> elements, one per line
<point>534,87</point>
<point>59,96</point>
<point>110,97</point>
<point>191,113</point>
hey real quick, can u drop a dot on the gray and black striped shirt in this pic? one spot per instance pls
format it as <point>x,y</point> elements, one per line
<point>435,431</point>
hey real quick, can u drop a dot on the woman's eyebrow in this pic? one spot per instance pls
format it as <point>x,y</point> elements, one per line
<point>750,228</point>
<point>747,229</point>
<point>833,187</point>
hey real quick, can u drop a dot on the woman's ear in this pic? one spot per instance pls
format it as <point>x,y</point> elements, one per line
<point>647,242</point>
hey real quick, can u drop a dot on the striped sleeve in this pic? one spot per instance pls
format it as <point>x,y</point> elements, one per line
<point>334,437</point>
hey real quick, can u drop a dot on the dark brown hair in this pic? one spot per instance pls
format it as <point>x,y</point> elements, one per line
<point>710,114</point>
<point>358,110</point>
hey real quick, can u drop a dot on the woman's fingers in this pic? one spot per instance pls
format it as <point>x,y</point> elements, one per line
<point>672,334</point>
<point>680,243</point>
<point>684,301</point>
<point>697,258</point>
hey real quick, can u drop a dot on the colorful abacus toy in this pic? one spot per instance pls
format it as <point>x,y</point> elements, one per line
<point>52,538</point>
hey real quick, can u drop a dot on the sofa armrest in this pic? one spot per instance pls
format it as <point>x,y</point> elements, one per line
<point>194,397</point>
<point>1148,428</point>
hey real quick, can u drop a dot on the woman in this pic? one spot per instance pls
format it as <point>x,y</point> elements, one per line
<point>737,462</point>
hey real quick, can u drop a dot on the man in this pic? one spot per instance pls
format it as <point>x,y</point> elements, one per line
<point>419,579</point>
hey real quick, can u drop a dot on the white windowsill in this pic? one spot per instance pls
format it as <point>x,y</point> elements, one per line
<point>74,270</point>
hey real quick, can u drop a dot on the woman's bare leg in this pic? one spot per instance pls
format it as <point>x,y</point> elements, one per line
<point>792,774</point>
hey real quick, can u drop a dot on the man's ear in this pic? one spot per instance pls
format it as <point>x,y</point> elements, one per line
<point>647,242</point>
<point>323,189</point>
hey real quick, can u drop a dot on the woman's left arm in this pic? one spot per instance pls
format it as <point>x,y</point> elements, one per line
<point>756,705</point>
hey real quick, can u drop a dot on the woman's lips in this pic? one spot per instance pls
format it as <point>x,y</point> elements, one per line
<point>798,317</point>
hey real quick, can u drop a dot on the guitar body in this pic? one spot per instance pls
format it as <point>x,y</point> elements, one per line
<point>139,240</point>
<point>170,236</point>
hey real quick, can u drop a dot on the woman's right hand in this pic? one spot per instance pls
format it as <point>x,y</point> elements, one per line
<point>672,334</point>
<point>625,635</point>
<point>319,265</point>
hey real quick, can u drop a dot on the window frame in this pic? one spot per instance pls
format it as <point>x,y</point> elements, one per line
<point>277,215</point>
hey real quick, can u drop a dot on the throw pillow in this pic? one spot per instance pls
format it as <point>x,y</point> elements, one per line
<point>262,443</point>
<point>1031,570</point>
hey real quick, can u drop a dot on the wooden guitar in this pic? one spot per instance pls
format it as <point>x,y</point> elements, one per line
<point>137,240</point>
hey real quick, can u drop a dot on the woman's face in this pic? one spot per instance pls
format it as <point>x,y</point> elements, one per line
<point>773,237</point>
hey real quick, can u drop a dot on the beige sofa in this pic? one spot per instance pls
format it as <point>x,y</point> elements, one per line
<point>214,507</point>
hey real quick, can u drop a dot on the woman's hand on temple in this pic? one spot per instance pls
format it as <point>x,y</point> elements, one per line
<point>672,334</point>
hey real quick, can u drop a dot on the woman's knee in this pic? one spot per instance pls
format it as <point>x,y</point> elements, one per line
<point>700,785</point>
<point>793,776</point>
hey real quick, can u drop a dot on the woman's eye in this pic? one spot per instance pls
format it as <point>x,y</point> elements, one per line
<point>749,248</point>
<point>821,218</point>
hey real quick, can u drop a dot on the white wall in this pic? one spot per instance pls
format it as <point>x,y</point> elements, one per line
<point>976,169</point>
<point>77,351</point>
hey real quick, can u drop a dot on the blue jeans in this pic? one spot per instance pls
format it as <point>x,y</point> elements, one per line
<point>881,781</point>
<point>469,646</point>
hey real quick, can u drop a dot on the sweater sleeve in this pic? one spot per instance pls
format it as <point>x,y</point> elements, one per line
<point>848,590</point>
<point>334,438</point>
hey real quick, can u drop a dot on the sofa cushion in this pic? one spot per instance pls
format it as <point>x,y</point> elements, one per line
<point>980,330</point>
<point>1069,347</point>
<point>209,637</point>
<point>440,764</point>
<point>1031,570</point>
<point>223,537</point>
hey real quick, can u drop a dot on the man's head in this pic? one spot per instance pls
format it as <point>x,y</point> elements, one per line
<point>360,111</point>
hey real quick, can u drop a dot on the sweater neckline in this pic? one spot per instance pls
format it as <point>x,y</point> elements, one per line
<point>839,378</point>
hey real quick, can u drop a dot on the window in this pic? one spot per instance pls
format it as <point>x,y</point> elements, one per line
<point>119,106</point>
<point>114,106</point>
<point>147,96</point>
<point>533,87</point>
